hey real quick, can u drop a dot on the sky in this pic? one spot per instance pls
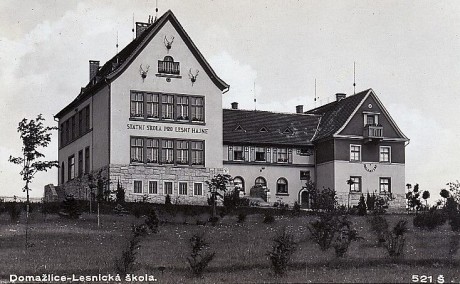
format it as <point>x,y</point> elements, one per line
<point>408,52</point>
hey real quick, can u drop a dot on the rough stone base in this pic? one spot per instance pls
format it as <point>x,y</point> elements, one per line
<point>127,174</point>
<point>79,186</point>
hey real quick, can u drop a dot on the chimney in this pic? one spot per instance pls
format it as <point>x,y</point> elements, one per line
<point>141,27</point>
<point>299,109</point>
<point>93,68</point>
<point>340,96</point>
<point>234,105</point>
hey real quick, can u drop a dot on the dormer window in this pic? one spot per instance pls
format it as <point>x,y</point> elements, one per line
<point>168,66</point>
<point>371,119</point>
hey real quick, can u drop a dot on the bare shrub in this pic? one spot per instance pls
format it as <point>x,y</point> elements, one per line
<point>200,256</point>
<point>284,246</point>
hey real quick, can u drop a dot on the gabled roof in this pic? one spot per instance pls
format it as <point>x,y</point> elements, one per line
<point>302,127</point>
<point>115,66</point>
<point>334,115</point>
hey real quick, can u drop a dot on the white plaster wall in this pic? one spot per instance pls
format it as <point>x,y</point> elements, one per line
<point>131,80</point>
<point>271,173</point>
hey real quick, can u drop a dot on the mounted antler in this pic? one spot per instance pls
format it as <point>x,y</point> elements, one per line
<point>143,72</point>
<point>191,76</point>
<point>168,43</point>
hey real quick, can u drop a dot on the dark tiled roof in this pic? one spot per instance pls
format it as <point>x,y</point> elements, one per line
<point>335,114</point>
<point>116,64</point>
<point>244,126</point>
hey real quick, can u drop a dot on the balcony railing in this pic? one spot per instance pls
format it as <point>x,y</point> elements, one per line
<point>168,67</point>
<point>373,131</point>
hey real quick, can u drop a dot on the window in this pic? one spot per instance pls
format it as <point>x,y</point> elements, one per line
<point>282,155</point>
<point>62,173</point>
<point>168,66</point>
<point>74,128</point>
<point>182,108</point>
<point>260,154</point>
<point>168,187</point>
<point>197,152</point>
<point>260,182</point>
<point>152,105</point>
<point>152,151</point>
<point>62,135</point>
<point>197,189</point>
<point>86,160</point>
<point>182,152</point>
<point>87,118</point>
<point>238,153</point>
<point>80,123</point>
<point>71,169</point>
<point>385,154</point>
<point>137,150</point>
<point>167,106</point>
<point>137,104</point>
<point>182,188</point>
<point>238,182</point>
<point>137,186</point>
<point>385,185</point>
<point>167,152</point>
<point>153,187</point>
<point>80,163</point>
<point>356,184</point>
<point>355,153</point>
<point>197,105</point>
<point>281,186</point>
<point>371,119</point>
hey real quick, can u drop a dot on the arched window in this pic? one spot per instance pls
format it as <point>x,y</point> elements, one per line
<point>260,181</point>
<point>238,182</point>
<point>281,186</point>
<point>168,66</point>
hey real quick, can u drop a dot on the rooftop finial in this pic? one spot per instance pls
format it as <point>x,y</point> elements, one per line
<point>156,10</point>
<point>117,43</point>
<point>134,34</point>
<point>354,77</point>
<point>255,100</point>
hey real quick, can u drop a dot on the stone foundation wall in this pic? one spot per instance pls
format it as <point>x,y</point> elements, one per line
<point>79,186</point>
<point>398,203</point>
<point>126,174</point>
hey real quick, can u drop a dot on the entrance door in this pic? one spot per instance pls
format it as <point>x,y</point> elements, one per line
<point>304,199</point>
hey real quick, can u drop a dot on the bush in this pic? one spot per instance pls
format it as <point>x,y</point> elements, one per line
<point>451,207</point>
<point>396,240</point>
<point>454,222</point>
<point>213,220</point>
<point>429,220</point>
<point>334,231</point>
<point>126,263</point>
<point>168,199</point>
<point>14,210</point>
<point>283,247</point>
<point>241,217</point>
<point>199,257</point>
<point>323,230</point>
<point>152,221</point>
<point>370,201</point>
<point>70,208</point>
<point>296,209</point>
<point>362,206</point>
<point>344,236</point>
<point>379,226</point>
<point>268,218</point>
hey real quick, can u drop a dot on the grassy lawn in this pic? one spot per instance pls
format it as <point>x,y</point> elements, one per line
<point>66,247</point>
